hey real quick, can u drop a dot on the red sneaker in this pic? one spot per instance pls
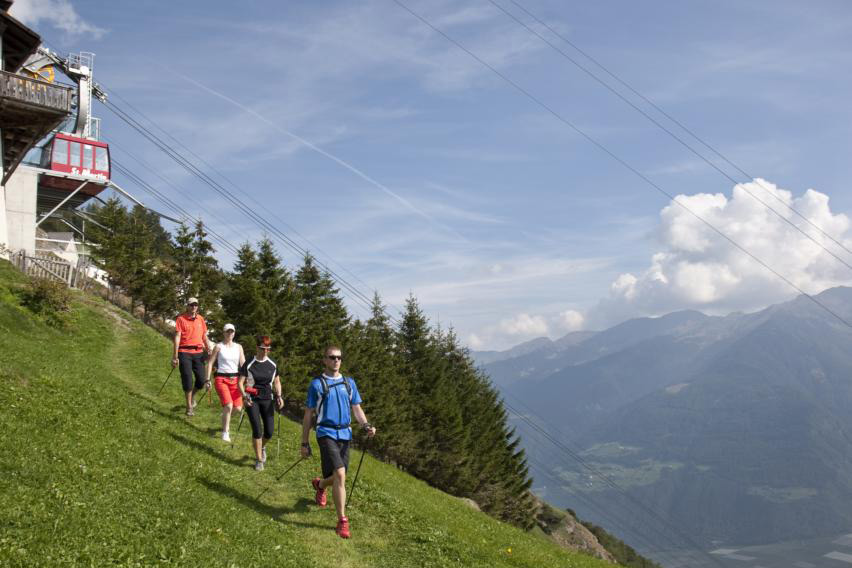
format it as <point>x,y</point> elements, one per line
<point>320,496</point>
<point>342,529</point>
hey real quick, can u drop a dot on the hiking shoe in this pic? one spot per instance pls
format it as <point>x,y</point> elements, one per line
<point>263,455</point>
<point>190,412</point>
<point>258,466</point>
<point>226,437</point>
<point>342,529</point>
<point>320,496</point>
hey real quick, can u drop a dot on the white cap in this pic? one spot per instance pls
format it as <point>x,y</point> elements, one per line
<point>192,301</point>
<point>229,327</point>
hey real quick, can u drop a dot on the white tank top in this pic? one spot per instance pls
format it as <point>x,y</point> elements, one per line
<point>228,360</point>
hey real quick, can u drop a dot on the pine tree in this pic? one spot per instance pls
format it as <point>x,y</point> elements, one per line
<point>200,274</point>
<point>243,301</point>
<point>419,362</point>
<point>322,319</point>
<point>112,250</point>
<point>279,318</point>
<point>372,360</point>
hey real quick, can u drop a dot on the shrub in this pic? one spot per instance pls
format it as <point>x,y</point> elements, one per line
<point>48,299</point>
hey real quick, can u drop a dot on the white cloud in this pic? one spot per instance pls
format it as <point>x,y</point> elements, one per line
<point>698,269</point>
<point>525,325</point>
<point>474,341</point>
<point>58,13</point>
<point>571,320</point>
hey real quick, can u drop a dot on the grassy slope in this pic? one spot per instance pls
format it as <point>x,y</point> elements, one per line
<point>96,470</point>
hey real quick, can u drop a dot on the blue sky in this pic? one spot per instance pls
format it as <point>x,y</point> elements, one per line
<point>503,222</point>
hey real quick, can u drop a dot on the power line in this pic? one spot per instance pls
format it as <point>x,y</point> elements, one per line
<point>609,515</point>
<point>649,182</point>
<point>172,205</point>
<point>616,157</point>
<point>611,483</point>
<point>224,192</point>
<point>244,193</point>
<point>148,167</point>
<point>662,112</point>
<point>665,538</point>
<point>690,148</point>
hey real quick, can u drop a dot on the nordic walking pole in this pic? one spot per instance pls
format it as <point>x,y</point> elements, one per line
<point>242,415</point>
<point>197,402</point>
<point>242,410</point>
<point>357,471</point>
<point>286,471</point>
<point>278,451</point>
<point>167,380</point>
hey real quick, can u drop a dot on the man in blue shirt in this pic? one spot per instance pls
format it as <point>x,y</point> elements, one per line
<point>331,396</point>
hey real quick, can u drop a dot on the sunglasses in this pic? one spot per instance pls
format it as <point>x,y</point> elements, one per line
<point>229,331</point>
<point>264,348</point>
<point>193,304</point>
<point>334,357</point>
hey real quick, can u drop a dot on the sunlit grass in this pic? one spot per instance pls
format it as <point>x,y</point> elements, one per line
<point>98,471</point>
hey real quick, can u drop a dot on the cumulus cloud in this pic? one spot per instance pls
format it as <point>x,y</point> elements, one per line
<point>58,13</point>
<point>698,269</point>
<point>525,325</point>
<point>571,320</point>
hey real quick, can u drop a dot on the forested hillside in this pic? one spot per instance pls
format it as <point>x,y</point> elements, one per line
<point>98,470</point>
<point>440,418</point>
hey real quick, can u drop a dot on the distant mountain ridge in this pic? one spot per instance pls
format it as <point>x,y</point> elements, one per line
<point>737,428</point>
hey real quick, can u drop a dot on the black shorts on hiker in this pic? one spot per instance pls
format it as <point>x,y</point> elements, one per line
<point>334,454</point>
<point>262,418</point>
<point>192,364</point>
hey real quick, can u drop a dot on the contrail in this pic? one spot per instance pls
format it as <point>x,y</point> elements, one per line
<point>319,150</point>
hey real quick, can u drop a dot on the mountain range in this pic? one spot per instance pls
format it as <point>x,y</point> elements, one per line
<point>722,430</point>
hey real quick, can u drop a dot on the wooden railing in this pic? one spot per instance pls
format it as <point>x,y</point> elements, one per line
<point>34,92</point>
<point>58,270</point>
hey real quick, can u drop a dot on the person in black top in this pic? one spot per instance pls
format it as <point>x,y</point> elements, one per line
<point>261,390</point>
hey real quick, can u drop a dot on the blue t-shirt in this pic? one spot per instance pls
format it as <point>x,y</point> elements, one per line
<point>336,410</point>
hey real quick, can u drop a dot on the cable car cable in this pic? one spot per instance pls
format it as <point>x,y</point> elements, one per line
<point>181,160</point>
<point>186,164</point>
<point>686,145</point>
<point>618,159</point>
<point>662,112</point>
<point>598,474</point>
<point>246,193</point>
<point>611,483</point>
<point>606,514</point>
<point>174,206</point>
<point>168,182</point>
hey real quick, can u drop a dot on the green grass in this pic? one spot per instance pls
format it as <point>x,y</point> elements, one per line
<point>97,471</point>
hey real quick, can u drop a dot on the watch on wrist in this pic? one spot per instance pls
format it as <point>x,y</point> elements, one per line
<point>306,445</point>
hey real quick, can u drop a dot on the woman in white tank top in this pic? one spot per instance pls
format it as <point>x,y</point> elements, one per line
<point>229,357</point>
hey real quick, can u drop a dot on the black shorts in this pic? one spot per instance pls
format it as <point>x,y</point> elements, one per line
<point>192,364</point>
<point>334,454</point>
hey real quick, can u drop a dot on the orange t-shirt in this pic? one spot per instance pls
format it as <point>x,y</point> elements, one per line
<point>192,333</point>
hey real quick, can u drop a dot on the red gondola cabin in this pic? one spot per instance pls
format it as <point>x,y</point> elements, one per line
<point>83,157</point>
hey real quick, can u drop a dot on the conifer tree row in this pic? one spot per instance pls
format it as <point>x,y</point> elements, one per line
<point>439,417</point>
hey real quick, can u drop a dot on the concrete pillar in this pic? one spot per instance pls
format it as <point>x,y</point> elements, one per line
<point>4,236</point>
<point>21,191</point>
<point>4,231</point>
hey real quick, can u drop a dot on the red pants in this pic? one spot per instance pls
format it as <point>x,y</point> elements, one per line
<point>228,392</point>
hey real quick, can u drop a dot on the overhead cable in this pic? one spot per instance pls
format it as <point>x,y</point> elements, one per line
<point>684,143</point>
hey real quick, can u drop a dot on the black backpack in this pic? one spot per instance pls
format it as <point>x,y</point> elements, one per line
<point>324,397</point>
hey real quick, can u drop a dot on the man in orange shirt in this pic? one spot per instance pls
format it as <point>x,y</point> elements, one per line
<point>191,347</point>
